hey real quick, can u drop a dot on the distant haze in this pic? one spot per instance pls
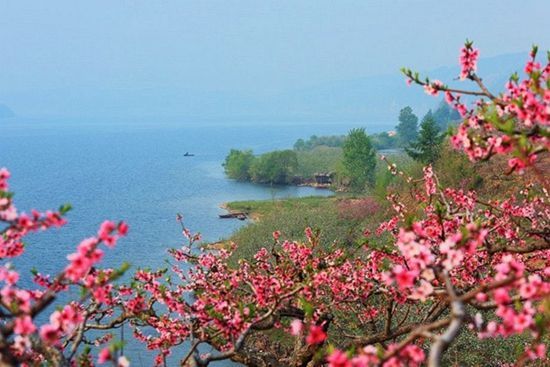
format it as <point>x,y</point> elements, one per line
<point>248,60</point>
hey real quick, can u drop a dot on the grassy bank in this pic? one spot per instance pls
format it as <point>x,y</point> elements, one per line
<point>342,219</point>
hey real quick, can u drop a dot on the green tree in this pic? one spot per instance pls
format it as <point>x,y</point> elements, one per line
<point>359,159</point>
<point>427,148</point>
<point>407,129</point>
<point>237,164</point>
<point>278,167</point>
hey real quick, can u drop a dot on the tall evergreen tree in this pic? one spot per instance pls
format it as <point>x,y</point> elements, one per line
<point>407,129</point>
<point>359,159</point>
<point>427,148</point>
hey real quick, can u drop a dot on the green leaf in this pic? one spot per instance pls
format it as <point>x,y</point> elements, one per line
<point>534,50</point>
<point>308,307</point>
<point>124,267</point>
<point>83,291</point>
<point>65,208</point>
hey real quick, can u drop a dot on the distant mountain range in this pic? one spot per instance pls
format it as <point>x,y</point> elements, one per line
<point>379,98</point>
<point>370,99</point>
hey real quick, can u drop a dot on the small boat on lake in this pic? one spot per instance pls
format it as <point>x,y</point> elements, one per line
<point>187,154</point>
<point>238,215</point>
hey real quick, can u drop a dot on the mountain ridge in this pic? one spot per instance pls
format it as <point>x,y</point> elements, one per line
<point>367,99</point>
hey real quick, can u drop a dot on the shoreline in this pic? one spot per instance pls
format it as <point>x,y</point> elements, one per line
<point>251,216</point>
<point>254,210</point>
<point>225,244</point>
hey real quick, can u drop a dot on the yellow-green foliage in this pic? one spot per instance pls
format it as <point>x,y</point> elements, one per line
<point>292,216</point>
<point>318,159</point>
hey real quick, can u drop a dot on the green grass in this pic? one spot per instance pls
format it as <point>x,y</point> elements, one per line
<point>342,224</point>
<point>289,216</point>
<point>267,207</point>
<point>292,216</point>
<point>319,159</point>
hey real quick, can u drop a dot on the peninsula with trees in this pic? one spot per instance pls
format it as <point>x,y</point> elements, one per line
<point>345,162</point>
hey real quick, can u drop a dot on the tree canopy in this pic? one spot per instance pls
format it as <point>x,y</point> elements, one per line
<point>237,164</point>
<point>277,167</point>
<point>359,159</point>
<point>407,127</point>
<point>427,148</point>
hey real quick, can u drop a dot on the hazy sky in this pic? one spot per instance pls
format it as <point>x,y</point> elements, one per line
<point>247,46</point>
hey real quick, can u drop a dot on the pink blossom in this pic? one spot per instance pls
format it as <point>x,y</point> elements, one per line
<point>104,356</point>
<point>468,60</point>
<point>422,291</point>
<point>316,335</point>
<point>501,296</point>
<point>24,325</point>
<point>404,278</point>
<point>123,362</point>
<point>538,352</point>
<point>296,327</point>
<point>122,229</point>
<point>338,359</point>
<point>49,334</point>
<point>433,88</point>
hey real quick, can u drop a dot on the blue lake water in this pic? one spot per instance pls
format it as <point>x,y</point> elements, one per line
<point>136,172</point>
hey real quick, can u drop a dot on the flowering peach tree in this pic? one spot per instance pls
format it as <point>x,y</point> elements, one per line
<point>436,269</point>
<point>57,341</point>
<point>513,123</point>
<point>449,263</point>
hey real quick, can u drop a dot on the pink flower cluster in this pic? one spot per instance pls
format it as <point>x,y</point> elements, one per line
<point>455,235</point>
<point>411,355</point>
<point>88,253</point>
<point>433,88</point>
<point>24,339</point>
<point>514,122</point>
<point>468,60</point>
<point>61,323</point>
